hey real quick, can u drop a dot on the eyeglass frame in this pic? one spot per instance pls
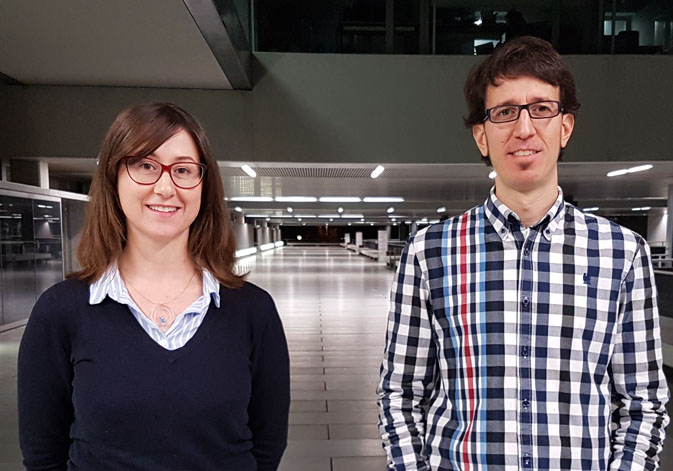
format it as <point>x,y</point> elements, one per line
<point>165,168</point>
<point>524,107</point>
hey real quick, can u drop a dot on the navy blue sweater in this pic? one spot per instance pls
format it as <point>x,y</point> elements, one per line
<point>97,393</point>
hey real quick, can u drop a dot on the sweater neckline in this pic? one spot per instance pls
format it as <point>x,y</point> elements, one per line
<point>201,334</point>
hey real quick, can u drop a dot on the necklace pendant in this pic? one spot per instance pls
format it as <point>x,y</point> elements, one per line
<point>162,315</point>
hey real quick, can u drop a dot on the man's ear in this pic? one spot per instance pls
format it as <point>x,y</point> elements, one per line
<point>479,135</point>
<point>567,126</point>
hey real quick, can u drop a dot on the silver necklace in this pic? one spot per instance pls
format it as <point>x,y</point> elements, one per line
<point>162,314</point>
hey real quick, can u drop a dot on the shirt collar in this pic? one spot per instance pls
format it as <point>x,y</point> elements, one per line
<point>111,284</point>
<point>501,217</point>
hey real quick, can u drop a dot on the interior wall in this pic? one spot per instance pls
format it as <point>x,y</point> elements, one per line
<point>352,109</point>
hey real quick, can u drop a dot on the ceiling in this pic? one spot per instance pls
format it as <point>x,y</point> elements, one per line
<point>424,188</point>
<point>128,43</point>
<point>157,43</point>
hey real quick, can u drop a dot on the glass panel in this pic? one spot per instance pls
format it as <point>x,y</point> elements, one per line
<point>462,26</point>
<point>18,258</point>
<point>48,243</point>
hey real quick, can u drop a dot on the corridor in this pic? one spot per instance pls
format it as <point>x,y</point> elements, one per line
<point>334,306</point>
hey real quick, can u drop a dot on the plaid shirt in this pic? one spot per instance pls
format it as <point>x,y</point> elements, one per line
<point>509,349</point>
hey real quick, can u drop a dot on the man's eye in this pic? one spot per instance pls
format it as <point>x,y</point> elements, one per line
<point>504,112</point>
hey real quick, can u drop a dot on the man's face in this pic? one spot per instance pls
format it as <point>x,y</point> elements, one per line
<point>523,152</point>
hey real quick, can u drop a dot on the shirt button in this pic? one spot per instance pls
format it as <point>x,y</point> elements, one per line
<point>526,252</point>
<point>525,301</point>
<point>527,460</point>
<point>525,403</point>
<point>503,231</point>
<point>524,352</point>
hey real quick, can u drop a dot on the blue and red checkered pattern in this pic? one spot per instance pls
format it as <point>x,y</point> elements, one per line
<point>515,348</point>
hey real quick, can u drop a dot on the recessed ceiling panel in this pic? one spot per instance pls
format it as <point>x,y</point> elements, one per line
<point>148,43</point>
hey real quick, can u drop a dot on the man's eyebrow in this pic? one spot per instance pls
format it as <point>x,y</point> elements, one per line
<point>532,100</point>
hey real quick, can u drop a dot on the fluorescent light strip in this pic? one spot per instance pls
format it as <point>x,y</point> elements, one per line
<point>643,208</point>
<point>258,216</point>
<point>351,216</point>
<point>279,243</point>
<point>442,209</point>
<point>624,171</point>
<point>377,171</point>
<point>340,199</point>
<point>492,175</point>
<point>306,216</point>
<point>268,246</point>
<point>247,169</point>
<point>593,208</point>
<point>383,199</point>
<point>246,252</point>
<point>296,199</point>
<point>329,216</point>
<point>261,199</point>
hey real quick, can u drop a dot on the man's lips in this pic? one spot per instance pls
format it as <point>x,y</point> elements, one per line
<point>524,152</point>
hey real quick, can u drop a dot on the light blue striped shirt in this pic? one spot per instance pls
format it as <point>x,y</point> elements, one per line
<point>185,325</point>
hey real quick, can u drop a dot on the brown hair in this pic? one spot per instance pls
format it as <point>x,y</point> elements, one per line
<point>524,56</point>
<point>139,131</point>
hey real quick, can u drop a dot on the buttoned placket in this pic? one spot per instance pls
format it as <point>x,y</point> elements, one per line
<point>525,246</point>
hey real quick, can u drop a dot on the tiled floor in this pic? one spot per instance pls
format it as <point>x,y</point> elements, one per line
<point>334,306</point>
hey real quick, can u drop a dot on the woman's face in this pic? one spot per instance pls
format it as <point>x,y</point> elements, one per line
<point>161,212</point>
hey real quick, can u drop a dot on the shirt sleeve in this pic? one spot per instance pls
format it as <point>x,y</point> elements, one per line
<point>45,389</point>
<point>269,406</point>
<point>408,371</point>
<point>639,386</point>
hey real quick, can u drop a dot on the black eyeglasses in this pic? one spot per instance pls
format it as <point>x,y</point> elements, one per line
<point>146,171</point>
<point>538,110</point>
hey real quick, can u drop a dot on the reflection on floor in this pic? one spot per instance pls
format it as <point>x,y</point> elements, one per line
<point>334,306</point>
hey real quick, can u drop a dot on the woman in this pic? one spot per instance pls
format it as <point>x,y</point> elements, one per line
<point>155,355</point>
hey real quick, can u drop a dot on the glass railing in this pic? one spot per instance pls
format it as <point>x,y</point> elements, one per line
<point>461,27</point>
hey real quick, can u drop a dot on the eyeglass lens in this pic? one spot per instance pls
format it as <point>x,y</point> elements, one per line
<point>147,171</point>
<point>538,110</point>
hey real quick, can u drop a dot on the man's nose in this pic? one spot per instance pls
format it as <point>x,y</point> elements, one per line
<point>523,127</point>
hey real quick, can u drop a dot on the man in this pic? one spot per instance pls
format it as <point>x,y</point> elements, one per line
<point>523,334</point>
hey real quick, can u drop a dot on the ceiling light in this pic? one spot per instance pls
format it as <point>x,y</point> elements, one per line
<point>394,219</point>
<point>371,223</point>
<point>305,216</point>
<point>349,223</point>
<point>247,169</point>
<point>328,216</point>
<point>331,219</point>
<point>640,168</point>
<point>351,216</point>
<point>340,210</point>
<point>643,208</point>
<point>299,219</point>
<point>289,209</point>
<point>362,219</point>
<point>268,219</point>
<point>377,171</point>
<point>624,171</point>
<point>238,209</point>
<point>492,175</point>
<point>383,199</point>
<point>252,198</point>
<point>617,173</point>
<point>434,221</point>
<point>340,199</point>
<point>296,199</point>
<point>390,210</point>
<point>257,216</point>
<point>593,208</point>
<point>442,209</point>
